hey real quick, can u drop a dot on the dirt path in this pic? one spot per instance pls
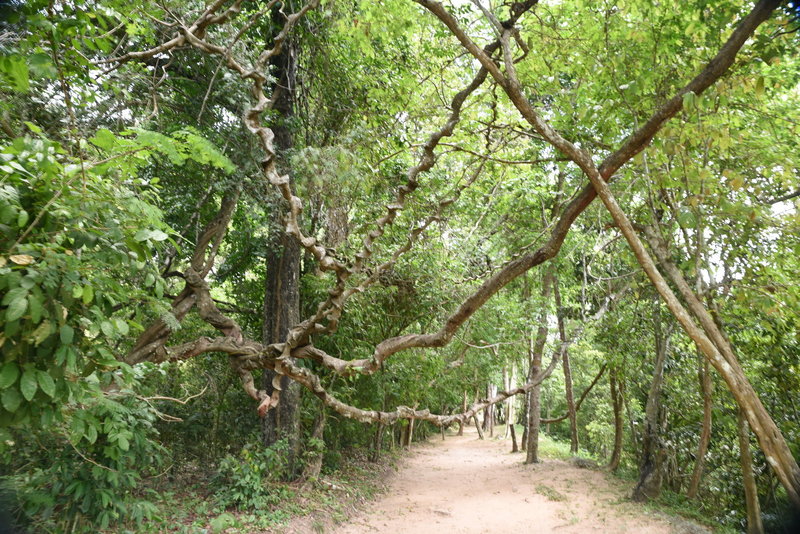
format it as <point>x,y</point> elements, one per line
<point>467,486</point>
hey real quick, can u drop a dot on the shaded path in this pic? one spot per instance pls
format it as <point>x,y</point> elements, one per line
<point>467,486</point>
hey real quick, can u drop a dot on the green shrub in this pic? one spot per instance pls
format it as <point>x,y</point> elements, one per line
<point>248,480</point>
<point>64,484</point>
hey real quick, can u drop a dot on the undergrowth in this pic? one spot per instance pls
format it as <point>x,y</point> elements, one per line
<point>550,447</point>
<point>229,501</point>
<point>668,502</point>
<point>676,504</point>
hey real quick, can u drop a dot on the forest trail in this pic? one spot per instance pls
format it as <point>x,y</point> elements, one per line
<point>467,486</point>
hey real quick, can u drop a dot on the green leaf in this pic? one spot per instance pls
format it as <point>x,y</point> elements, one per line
<point>16,309</point>
<point>123,443</point>
<point>141,253</point>
<point>11,400</point>
<point>22,219</point>
<point>8,374</point>
<point>760,86</point>
<point>28,384</point>
<point>42,66</point>
<point>14,294</point>
<point>46,383</point>
<point>88,294</point>
<point>221,522</point>
<point>32,127</point>
<point>158,235</point>
<point>689,100</point>
<point>76,429</point>
<point>16,72</point>
<point>107,328</point>
<point>687,219</point>
<point>104,139</point>
<point>91,433</point>
<point>121,326</point>
<point>36,309</point>
<point>153,235</point>
<point>67,334</point>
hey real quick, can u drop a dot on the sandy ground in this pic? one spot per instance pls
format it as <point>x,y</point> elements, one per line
<point>467,486</point>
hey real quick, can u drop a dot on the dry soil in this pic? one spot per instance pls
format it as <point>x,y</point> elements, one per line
<point>463,485</point>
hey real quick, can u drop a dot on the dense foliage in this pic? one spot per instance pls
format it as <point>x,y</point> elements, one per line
<point>143,227</point>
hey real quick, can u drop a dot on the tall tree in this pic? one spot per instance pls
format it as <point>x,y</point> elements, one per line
<point>754,523</point>
<point>534,408</point>
<point>281,309</point>
<point>651,463</point>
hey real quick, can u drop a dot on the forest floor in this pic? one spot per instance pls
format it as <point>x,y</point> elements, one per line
<point>464,485</point>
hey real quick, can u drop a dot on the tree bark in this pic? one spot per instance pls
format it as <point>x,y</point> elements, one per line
<point>404,432</point>
<point>525,410</point>
<point>754,524</point>
<point>282,295</point>
<point>616,401</point>
<point>571,412</point>
<point>489,412</point>
<point>705,434</point>
<point>535,358</point>
<point>463,409</point>
<point>509,402</point>
<point>314,466</point>
<point>477,426</point>
<point>408,435</point>
<point>651,463</point>
<point>377,442</point>
<point>514,446</point>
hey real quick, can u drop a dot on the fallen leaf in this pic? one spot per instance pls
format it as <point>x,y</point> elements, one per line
<point>21,259</point>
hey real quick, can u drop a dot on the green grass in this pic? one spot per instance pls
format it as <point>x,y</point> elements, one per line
<point>675,504</point>
<point>668,503</point>
<point>555,449</point>
<point>550,493</point>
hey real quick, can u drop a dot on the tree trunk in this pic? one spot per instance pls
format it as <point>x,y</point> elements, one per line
<point>651,463</point>
<point>408,437</point>
<point>634,430</point>
<point>377,442</point>
<point>535,358</point>
<point>477,426</point>
<point>282,296</point>
<point>573,416</point>
<point>616,401</point>
<point>571,413</point>
<point>509,401</point>
<point>548,415</point>
<point>404,433</point>
<point>314,466</point>
<point>463,409</point>
<point>754,525</point>
<point>512,410</point>
<point>525,410</point>
<point>514,447</point>
<point>489,412</point>
<point>705,433</point>
<point>709,340</point>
